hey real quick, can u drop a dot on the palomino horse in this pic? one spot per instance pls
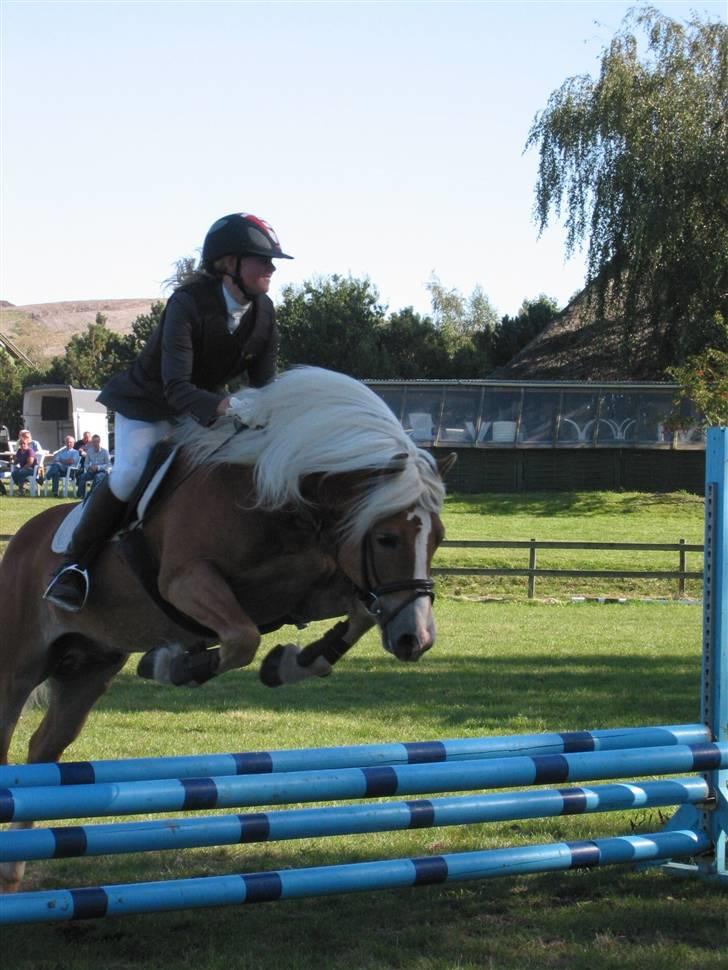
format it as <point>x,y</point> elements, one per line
<point>311,502</point>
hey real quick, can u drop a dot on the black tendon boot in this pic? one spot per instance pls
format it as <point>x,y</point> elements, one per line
<point>103,512</point>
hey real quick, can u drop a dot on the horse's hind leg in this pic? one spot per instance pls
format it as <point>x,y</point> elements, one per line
<point>15,689</point>
<point>76,683</point>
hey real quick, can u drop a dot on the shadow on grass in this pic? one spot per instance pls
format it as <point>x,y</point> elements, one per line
<point>473,695</point>
<point>554,504</point>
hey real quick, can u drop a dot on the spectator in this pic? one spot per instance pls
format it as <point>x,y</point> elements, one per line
<point>81,445</point>
<point>63,459</point>
<point>96,467</point>
<point>24,461</point>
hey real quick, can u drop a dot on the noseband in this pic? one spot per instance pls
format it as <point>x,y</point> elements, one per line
<point>373,590</point>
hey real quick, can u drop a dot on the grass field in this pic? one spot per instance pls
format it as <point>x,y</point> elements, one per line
<point>498,667</point>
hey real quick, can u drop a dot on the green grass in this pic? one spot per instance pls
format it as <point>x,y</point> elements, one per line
<point>497,668</point>
<point>573,516</point>
<point>581,516</point>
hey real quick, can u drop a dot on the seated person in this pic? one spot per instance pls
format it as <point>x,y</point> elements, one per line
<point>97,465</point>
<point>39,455</point>
<point>81,445</point>
<point>24,461</point>
<point>67,457</point>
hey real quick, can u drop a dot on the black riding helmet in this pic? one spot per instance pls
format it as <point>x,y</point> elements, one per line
<point>240,234</point>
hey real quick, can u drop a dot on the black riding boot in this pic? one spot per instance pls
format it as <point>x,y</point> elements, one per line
<point>102,514</point>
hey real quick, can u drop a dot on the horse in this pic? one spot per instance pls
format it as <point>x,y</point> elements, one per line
<point>308,502</point>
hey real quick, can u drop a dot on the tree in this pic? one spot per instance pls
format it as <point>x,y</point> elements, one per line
<point>513,333</point>
<point>412,348</point>
<point>142,328</point>
<point>11,392</point>
<point>637,160</point>
<point>703,381</point>
<point>332,322</point>
<point>96,355</point>
<point>92,357</point>
<point>459,316</point>
<point>467,325</point>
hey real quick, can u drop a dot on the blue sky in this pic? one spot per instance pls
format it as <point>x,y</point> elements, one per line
<point>379,139</point>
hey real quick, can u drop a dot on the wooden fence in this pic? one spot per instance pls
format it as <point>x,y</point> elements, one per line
<point>532,571</point>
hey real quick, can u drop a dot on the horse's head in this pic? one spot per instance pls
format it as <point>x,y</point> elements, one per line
<point>395,578</point>
<point>391,570</point>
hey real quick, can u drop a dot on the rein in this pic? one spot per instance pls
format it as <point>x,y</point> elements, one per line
<point>371,595</point>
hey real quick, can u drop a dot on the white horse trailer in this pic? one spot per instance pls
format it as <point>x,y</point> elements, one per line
<point>52,411</point>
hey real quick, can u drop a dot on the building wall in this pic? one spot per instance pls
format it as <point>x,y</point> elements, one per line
<point>536,470</point>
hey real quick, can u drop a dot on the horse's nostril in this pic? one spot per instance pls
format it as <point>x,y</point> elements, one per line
<point>408,647</point>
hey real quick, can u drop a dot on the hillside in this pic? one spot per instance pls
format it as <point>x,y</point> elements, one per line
<point>576,347</point>
<point>42,330</point>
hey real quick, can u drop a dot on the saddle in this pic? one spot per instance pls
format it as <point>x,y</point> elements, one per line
<point>129,540</point>
<point>131,545</point>
<point>155,470</point>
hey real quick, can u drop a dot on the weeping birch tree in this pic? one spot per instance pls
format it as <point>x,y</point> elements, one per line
<point>635,161</point>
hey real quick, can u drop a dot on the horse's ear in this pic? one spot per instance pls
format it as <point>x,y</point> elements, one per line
<point>397,462</point>
<point>445,464</point>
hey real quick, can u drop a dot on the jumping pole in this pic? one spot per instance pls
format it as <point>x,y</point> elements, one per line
<point>696,832</point>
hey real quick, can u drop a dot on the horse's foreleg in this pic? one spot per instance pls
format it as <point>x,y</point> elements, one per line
<point>287,664</point>
<point>74,687</point>
<point>200,591</point>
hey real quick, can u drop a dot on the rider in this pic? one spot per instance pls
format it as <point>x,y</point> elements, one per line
<point>214,329</point>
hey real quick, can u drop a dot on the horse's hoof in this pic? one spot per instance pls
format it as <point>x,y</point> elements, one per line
<point>281,666</point>
<point>270,668</point>
<point>156,663</point>
<point>145,667</point>
<point>193,669</point>
<point>11,876</point>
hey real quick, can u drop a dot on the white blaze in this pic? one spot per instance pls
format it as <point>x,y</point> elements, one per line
<point>421,542</point>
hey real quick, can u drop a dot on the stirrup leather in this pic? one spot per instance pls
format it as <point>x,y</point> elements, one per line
<point>73,597</point>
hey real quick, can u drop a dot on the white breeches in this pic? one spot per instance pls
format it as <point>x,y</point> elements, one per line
<point>133,442</point>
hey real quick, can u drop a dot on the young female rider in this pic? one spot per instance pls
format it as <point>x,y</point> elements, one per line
<point>213,330</point>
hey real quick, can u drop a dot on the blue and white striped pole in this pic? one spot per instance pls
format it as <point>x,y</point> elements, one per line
<point>351,756</point>
<point>303,823</point>
<point>196,794</point>
<point>123,900</point>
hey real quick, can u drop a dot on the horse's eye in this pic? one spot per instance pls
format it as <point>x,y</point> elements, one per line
<point>387,540</point>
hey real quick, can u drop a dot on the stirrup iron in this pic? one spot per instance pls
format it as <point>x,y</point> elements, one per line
<point>76,592</point>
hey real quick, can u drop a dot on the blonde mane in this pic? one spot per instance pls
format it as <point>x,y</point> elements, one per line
<point>310,421</point>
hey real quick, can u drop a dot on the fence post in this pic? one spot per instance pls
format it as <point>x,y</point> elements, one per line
<point>681,567</point>
<point>532,567</point>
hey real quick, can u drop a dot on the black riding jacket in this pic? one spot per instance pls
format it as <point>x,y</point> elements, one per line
<point>191,356</point>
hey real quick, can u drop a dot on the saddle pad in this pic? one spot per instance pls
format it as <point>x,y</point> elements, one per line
<point>154,482</point>
<point>62,538</point>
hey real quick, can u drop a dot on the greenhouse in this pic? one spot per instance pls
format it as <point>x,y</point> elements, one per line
<point>540,414</point>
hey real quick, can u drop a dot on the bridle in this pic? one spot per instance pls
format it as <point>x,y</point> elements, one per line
<point>372,591</point>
